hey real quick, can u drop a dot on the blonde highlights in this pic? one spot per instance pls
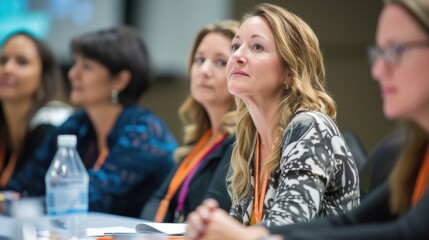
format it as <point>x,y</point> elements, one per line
<point>299,49</point>
<point>192,114</point>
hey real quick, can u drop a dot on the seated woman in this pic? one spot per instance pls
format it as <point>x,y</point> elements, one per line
<point>32,100</point>
<point>127,150</point>
<point>209,123</point>
<point>290,162</point>
<point>399,209</point>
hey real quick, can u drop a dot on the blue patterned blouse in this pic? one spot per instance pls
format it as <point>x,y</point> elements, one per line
<point>139,159</point>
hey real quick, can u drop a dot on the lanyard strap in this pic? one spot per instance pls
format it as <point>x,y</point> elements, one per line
<point>7,171</point>
<point>259,195</point>
<point>198,152</point>
<point>185,186</point>
<point>422,180</point>
<point>104,152</point>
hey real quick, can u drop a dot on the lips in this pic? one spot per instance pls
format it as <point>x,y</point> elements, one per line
<point>388,91</point>
<point>5,82</point>
<point>239,74</point>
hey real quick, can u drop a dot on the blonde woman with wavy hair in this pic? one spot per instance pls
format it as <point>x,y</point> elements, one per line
<point>290,162</point>
<point>398,209</point>
<point>208,116</point>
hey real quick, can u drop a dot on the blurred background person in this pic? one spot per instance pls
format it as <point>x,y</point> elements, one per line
<point>127,150</point>
<point>209,124</point>
<point>32,101</point>
<point>400,208</point>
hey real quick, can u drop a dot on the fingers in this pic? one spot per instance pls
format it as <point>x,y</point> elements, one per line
<point>198,219</point>
<point>211,203</point>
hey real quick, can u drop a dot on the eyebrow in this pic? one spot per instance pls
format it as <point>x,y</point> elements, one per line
<point>217,54</point>
<point>253,36</point>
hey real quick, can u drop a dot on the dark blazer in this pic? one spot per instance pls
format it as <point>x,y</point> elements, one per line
<point>371,220</point>
<point>208,182</point>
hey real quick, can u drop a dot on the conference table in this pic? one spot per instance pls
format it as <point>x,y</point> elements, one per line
<point>10,228</point>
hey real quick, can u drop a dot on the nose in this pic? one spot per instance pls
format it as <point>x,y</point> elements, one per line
<point>238,56</point>
<point>72,73</point>
<point>380,69</point>
<point>7,66</point>
<point>206,68</point>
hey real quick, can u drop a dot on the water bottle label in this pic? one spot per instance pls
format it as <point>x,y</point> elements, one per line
<point>70,200</point>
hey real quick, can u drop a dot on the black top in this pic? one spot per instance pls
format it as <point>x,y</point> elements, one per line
<point>371,220</point>
<point>208,182</point>
<point>381,162</point>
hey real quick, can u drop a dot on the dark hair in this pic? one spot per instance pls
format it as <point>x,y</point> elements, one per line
<point>119,48</point>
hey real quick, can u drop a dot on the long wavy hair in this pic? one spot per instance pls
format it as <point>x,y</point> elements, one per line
<point>301,56</point>
<point>404,174</point>
<point>193,115</point>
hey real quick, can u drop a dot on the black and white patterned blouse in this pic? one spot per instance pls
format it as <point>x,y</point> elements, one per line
<point>317,176</point>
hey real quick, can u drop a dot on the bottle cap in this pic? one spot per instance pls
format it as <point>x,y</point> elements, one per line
<point>66,140</point>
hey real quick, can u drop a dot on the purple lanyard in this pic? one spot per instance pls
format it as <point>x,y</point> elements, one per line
<point>185,186</point>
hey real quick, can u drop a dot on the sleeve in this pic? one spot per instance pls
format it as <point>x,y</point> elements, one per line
<point>217,189</point>
<point>306,168</point>
<point>142,151</point>
<point>151,207</point>
<point>371,220</point>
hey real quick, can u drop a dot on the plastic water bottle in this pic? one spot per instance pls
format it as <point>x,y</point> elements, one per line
<point>67,190</point>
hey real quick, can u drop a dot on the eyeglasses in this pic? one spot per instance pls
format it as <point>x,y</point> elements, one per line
<point>392,54</point>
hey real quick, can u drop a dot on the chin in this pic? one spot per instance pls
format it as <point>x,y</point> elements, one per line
<point>392,114</point>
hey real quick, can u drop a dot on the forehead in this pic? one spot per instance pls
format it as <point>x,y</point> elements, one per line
<point>395,24</point>
<point>215,40</point>
<point>20,44</point>
<point>255,25</point>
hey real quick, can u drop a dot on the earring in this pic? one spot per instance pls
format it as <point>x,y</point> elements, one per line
<point>114,96</point>
<point>287,87</point>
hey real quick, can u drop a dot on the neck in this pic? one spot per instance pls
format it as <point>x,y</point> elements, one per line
<point>216,116</point>
<point>103,119</point>
<point>16,114</point>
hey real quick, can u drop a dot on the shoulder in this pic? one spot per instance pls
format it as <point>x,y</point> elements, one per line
<point>306,123</point>
<point>53,113</point>
<point>136,115</point>
<point>139,122</point>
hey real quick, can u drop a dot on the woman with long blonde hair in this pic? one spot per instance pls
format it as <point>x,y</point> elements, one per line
<point>290,162</point>
<point>209,123</point>
<point>400,208</point>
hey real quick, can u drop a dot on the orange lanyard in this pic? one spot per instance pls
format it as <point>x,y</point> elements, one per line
<point>259,196</point>
<point>420,186</point>
<point>198,152</point>
<point>101,158</point>
<point>8,170</point>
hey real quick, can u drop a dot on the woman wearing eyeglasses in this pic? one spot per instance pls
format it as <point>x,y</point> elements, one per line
<point>399,209</point>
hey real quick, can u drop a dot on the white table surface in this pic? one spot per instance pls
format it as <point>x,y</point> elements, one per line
<point>9,226</point>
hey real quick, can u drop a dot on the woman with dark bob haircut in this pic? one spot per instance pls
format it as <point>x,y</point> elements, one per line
<point>32,100</point>
<point>127,150</point>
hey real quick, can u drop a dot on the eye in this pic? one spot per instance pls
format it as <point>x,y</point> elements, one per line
<point>199,60</point>
<point>22,61</point>
<point>235,47</point>
<point>220,63</point>
<point>258,47</point>
<point>396,48</point>
<point>3,60</point>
